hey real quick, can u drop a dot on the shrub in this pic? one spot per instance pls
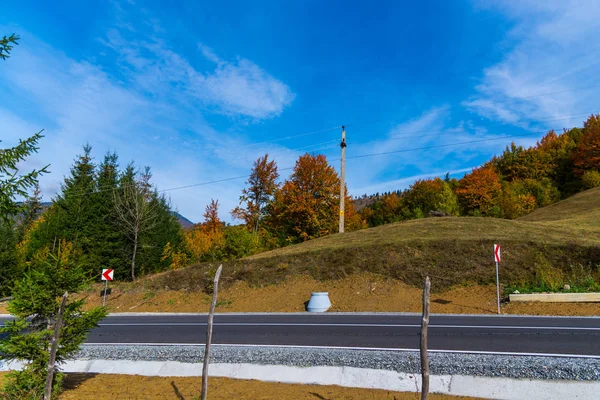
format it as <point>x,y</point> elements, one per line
<point>591,179</point>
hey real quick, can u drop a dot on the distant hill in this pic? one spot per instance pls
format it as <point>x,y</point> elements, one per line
<point>185,223</point>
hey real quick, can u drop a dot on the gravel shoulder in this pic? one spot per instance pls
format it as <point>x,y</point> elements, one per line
<point>580,369</point>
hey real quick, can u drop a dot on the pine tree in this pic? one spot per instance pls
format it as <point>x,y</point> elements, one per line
<point>12,184</point>
<point>35,305</point>
<point>110,243</point>
<point>73,213</point>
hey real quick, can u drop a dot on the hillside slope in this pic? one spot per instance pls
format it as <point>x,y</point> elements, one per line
<point>583,209</point>
<point>560,240</point>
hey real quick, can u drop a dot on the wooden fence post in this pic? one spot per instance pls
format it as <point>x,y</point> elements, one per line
<point>54,347</point>
<point>209,329</point>
<point>424,354</point>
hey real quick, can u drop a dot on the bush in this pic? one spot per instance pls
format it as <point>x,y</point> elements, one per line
<point>239,242</point>
<point>591,179</point>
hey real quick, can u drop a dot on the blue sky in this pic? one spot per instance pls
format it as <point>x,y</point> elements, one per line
<point>198,91</point>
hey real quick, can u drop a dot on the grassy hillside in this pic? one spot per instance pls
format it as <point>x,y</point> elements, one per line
<point>582,210</point>
<point>554,245</point>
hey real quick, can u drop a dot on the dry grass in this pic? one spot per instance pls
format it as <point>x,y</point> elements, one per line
<point>382,269</point>
<point>454,251</point>
<point>356,293</point>
<point>130,387</point>
<point>582,210</point>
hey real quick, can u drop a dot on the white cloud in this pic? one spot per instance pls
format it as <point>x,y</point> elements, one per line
<point>148,103</point>
<point>554,53</point>
<point>236,88</point>
<point>244,88</point>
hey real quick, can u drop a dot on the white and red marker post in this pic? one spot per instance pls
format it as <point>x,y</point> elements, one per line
<point>498,258</point>
<point>107,275</point>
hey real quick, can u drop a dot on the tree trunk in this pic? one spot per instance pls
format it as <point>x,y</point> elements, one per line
<point>54,348</point>
<point>424,355</point>
<point>135,244</point>
<point>209,329</point>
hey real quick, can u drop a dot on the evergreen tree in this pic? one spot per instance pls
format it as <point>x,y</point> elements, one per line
<point>13,185</point>
<point>35,306</point>
<point>9,265</point>
<point>110,243</point>
<point>31,211</point>
<point>74,212</point>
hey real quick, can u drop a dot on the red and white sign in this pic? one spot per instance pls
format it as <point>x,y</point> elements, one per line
<point>497,253</point>
<point>107,274</point>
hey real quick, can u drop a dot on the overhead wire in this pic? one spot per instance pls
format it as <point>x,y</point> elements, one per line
<point>510,100</point>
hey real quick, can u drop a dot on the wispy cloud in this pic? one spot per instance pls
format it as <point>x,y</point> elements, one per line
<point>147,102</point>
<point>234,88</point>
<point>553,53</point>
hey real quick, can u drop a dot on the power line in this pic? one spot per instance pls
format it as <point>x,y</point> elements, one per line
<point>350,157</point>
<point>292,136</point>
<point>462,130</point>
<point>444,145</point>
<point>367,155</point>
<point>511,100</point>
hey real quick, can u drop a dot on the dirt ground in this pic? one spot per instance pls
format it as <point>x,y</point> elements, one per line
<point>357,293</point>
<point>129,387</point>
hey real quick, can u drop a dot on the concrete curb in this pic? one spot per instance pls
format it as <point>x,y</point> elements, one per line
<point>458,385</point>
<point>557,297</point>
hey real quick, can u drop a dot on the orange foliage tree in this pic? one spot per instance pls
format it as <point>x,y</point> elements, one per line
<point>307,205</point>
<point>205,240</point>
<point>262,186</point>
<point>515,200</point>
<point>478,192</point>
<point>587,155</point>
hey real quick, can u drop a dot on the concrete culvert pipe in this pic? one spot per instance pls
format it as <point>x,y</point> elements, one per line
<point>319,302</point>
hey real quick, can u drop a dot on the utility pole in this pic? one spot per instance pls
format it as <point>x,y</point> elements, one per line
<point>343,180</point>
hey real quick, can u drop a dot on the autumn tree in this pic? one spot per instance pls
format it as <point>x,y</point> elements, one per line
<point>479,191</point>
<point>262,186</point>
<point>587,155</point>
<point>307,205</point>
<point>205,241</point>
<point>384,210</point>
<point>431,195</point>
<point>515,201</point>
<point>212,222</point>
<point>590,179</point>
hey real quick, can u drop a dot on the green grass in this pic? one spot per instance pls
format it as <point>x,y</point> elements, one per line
<point>540,249</point>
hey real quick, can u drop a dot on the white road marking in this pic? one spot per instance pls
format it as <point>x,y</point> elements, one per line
<point>505,353</point>
<point>560,328</point>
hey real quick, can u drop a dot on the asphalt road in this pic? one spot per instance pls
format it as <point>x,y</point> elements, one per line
<point>504,334</point>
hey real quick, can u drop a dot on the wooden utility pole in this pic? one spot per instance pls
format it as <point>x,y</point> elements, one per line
<point>54,348</point>
<point>343,180</point>
<point>424,355</point>
<point>209,329</point>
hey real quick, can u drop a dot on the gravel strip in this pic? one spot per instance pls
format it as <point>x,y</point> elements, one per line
<point>401,361</point>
